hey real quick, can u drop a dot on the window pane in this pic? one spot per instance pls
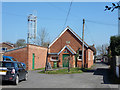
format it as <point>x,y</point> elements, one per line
<point>14,59</point>
<point>7,59</point>
<point>6,64</point>
<point>80,52</point>
<point>4,49</point>
<point>56,58</point>
<point>53,57</point>
<point>80,57</point>
<point>19,65</point>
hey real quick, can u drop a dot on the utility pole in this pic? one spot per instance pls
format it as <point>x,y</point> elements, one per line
<point>83,44</point>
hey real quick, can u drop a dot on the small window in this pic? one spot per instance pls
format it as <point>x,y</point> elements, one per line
<point>80,52</point>
<point>80,55</point>
<point>4,49</point>
<point>19,65</point>
<point>7,59</point>
<point>66,51</point>
<point>54,58</point>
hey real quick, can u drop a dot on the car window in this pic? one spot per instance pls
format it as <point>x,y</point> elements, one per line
<point>14,59</point>
<point>6,64</point>
<point>19,65</point>
<point>7,59</point>
<point>16,66</point>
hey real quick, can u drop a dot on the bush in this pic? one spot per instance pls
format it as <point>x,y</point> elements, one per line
<point>115,45</point>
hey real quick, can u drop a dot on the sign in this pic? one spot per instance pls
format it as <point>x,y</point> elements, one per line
<point>67,42</point>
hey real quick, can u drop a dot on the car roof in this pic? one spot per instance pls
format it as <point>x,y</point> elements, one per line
<point>7,57</point>
<point>11,61</point>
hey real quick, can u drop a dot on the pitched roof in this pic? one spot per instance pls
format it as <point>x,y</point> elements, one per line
<point>69,48</point>
<point>68,28</point>
<point>93,49</point>
<point>9,44</point>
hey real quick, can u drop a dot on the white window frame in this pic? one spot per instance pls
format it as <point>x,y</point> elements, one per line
<point>53,59</point>
<point>78,56</point>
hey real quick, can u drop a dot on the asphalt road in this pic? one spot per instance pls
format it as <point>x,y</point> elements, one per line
<point>96,78</point>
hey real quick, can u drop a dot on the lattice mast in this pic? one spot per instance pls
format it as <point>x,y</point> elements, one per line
<point>32,29</point>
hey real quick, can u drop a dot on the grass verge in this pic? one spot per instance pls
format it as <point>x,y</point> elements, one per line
<point>40,69</point>
<point>63,71</point>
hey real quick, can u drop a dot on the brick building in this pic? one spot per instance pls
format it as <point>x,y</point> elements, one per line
<point>32,55</point>
<point>68,43</point>
<point>4,47</point>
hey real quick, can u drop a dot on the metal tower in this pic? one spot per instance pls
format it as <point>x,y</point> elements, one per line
<point>32,29</point>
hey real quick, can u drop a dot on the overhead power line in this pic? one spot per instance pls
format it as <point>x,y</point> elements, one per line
<point>97,22</point>
<point>91,36</point>
<point>90,21</point>
<point>68,13</point>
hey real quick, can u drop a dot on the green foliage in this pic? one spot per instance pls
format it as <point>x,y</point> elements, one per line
<point>115,45</point>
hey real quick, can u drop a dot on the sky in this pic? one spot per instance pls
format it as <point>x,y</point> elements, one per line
<point>100,25</point>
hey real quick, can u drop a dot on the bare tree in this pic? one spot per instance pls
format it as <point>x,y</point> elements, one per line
<point>43,38</point>
<point>102,50</point>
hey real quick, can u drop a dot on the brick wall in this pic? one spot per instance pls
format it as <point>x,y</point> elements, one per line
<point>19,54</point>
<point>60,63</point>
<point>90,58</point>
<point>40,56</point>
<point>25,55</point>
<point>61,42</point>
<point>74,43</point>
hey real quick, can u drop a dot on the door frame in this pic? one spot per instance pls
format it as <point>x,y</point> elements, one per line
<point>63,60</point>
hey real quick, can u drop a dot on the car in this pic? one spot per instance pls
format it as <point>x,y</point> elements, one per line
<point>9,58</point>
<point>13,71</point>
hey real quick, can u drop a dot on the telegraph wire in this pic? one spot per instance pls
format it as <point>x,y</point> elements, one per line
<point>90,21</point>
<point>97,22</point>
<point>76,17</point>
<point>67,14</point>
<point>86,28</point>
